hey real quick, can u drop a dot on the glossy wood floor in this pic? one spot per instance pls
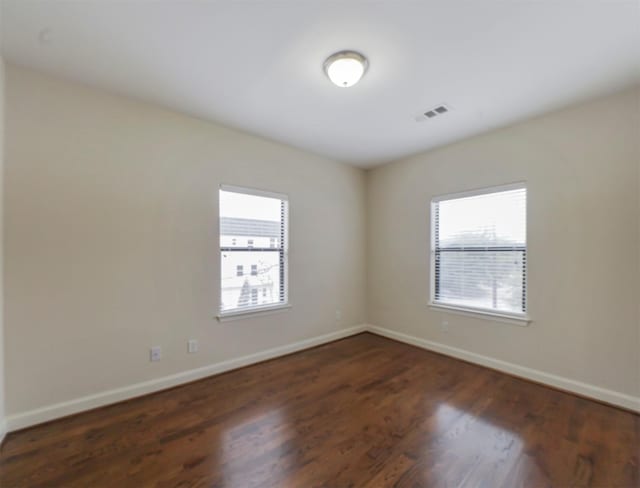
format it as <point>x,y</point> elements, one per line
<point>364,411</point>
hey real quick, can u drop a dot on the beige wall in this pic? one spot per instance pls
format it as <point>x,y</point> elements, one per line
<point>581,166</point>
<point>2,355</point>
<point>111,241</point>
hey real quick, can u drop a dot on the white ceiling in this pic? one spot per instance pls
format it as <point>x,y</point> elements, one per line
<point>256,65</point>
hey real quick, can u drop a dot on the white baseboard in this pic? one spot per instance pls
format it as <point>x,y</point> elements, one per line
<point>609,396</point>
<point>51,412</point>
<point>3,429</point>
<point>58,410</point>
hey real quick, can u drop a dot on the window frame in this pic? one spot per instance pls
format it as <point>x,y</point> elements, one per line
<point>283,250</point>
<point>516,318</point>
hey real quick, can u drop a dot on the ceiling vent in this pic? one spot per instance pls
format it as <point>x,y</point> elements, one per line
<point>433,113</point>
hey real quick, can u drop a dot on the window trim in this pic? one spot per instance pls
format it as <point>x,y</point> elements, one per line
<point>258,310</point>
<point>516,319</point>
<point>489,314</point>
<point>250,312</point>
<point>253,191</point>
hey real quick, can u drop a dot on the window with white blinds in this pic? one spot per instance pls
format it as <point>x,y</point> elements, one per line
<point>253,250</point>
<point>479,251</point>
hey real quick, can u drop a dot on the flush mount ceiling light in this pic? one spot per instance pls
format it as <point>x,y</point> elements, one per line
<point>345,68</point>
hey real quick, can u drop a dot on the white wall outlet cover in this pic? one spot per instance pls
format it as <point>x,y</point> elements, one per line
<point>155,353</point>
<point>192,345</point>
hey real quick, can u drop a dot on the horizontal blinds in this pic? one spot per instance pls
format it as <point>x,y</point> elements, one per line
<point>480,247</point>
<point>253,249</point>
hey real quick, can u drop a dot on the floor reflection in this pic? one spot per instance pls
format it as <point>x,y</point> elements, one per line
<point>461,445</point>
<point>258,447</point>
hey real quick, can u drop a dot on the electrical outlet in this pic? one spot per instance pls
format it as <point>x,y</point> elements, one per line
<point>192,346</point>
<point>444,326</point>
<point>156,353</point>
<point>338,316</point>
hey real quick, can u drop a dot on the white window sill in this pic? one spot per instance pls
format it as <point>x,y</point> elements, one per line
<point>521,320</point>
<point>252,312</point>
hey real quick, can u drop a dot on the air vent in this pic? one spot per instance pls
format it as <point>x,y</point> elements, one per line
<point>433,113</point>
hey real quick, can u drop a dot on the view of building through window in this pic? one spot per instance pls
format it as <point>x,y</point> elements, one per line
<point>479,252</point>
<point>253,249</point>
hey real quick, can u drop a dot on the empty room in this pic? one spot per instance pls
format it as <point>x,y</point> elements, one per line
<point>319,243</point>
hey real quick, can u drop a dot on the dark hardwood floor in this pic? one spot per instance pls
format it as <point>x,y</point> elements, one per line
<point>363,411</point>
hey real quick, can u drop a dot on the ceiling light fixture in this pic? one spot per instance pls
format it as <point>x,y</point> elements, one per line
<point>345,68</point>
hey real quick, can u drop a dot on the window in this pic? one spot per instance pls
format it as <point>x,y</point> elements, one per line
<point>479,251</point>
<point>259,219</point>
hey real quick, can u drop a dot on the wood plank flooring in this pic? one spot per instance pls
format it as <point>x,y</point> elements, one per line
<point>361,412</point>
